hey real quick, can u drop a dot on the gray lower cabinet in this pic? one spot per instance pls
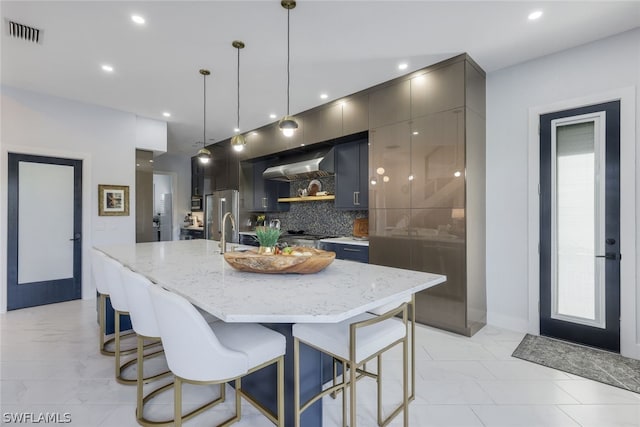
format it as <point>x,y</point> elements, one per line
<point>352,175</point>
<point>358,253</point>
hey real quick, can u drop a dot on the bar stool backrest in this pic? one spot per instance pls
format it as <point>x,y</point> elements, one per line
<point>116,290</point>
<point>97,269</point>
<point>192,349</point>
<point>143,318</point>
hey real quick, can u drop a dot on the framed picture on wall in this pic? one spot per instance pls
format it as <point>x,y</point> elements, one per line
<point>113,200</point>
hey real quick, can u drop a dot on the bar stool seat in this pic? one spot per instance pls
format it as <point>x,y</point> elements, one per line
<point>354,342</point>
<point>215,353</point>
<point>333,338</point>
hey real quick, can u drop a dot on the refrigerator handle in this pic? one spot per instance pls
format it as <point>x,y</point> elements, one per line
<point>220,213</point>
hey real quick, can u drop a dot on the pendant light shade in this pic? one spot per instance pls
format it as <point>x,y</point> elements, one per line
<point>204,155</point>
<point>238,142</point>
<point>287,124</point>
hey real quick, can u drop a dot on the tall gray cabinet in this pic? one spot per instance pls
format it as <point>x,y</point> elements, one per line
<point>427,187</point>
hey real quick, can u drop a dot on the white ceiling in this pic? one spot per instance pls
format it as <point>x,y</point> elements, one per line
<point>336,47</point>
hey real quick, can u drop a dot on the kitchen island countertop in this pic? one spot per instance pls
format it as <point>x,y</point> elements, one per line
<point>196,270</point>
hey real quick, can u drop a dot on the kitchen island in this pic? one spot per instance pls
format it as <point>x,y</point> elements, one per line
<point>196,270</point>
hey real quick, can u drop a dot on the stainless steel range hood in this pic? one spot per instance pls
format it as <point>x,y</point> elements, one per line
<point>306,169</point>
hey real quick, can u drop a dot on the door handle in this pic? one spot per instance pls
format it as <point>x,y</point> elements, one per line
<point>610,255</point>
<point>75,237</point>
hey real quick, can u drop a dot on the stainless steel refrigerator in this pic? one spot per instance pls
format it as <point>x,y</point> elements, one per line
<point>215,206</point>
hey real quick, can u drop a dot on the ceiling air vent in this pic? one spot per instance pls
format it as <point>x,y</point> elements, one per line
<point>24,32</point>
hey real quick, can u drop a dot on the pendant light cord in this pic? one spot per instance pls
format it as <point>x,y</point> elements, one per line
<point>288,59</point>
<point>204,114</point>
<point>238,122</point>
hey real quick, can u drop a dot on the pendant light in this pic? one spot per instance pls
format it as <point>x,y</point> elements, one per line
<point>204,155</point>
<point>238,142</point>
<point>287,124</point>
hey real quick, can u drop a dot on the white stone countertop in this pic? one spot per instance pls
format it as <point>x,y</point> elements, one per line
<point>196,270</point>
<point>346,241</point>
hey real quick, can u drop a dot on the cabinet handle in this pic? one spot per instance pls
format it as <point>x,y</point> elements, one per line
<point>356,198</point>
<point>351,250</point>
<point>264,202</point>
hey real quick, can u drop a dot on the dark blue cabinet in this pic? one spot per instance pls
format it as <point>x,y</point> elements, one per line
<point>352,175</point>
<point>358,253</point>
<point>266,192</point>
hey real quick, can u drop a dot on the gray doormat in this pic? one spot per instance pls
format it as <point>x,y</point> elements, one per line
<point>598,365</point>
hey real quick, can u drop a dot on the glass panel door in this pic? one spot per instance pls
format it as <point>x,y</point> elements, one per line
<point>580,225</point>
<point>578,221</point>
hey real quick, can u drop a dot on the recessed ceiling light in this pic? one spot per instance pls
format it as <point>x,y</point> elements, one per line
<point>415,132</point>
<point>272,116</point>
<point>166,114</point>
<point>107,68</point>
<point>403,66</point>
<point>150,161</point>
<point>535,15</point>
<point>254,133</point>
<point>457,174</point>
<point>137,164</point>
<point>301,145</point>
<point>137,19</point>
<point>323,96</point>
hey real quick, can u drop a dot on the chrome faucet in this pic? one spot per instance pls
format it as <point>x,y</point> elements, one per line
<point>223,239</point>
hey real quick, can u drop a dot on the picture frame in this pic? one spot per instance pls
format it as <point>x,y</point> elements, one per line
<point>113,200</point>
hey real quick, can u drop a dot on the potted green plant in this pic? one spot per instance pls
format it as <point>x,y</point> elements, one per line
<point>267,238</point>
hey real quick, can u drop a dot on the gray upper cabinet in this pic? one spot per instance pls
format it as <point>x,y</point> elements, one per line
<point>389,163</point>
<point>438,160</point>
<point>439,90</point>
<point>390,104</point>
<point>323,124</point>
<point>355,114</point>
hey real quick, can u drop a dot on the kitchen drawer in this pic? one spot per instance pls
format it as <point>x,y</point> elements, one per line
<point>357,253</point>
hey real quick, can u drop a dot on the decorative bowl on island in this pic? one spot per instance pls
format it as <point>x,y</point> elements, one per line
<point>300,260</point>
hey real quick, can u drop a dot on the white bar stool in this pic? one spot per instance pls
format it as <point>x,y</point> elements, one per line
<point>411,301</point>
<point>112,272</point>
<point>354,342</point>
<point>216,353</point>
<point>102,286</point>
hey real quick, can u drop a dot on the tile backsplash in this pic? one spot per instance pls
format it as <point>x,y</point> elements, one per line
<point>317,217</point>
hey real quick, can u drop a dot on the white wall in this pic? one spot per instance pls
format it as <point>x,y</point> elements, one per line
<point>601,67</point>
<point>151,135</point>
<point>103,138</point>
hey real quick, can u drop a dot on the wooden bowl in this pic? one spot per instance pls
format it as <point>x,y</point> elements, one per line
<point>309,261</point>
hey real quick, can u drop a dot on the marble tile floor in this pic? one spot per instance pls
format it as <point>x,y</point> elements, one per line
<point>49,363</point>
